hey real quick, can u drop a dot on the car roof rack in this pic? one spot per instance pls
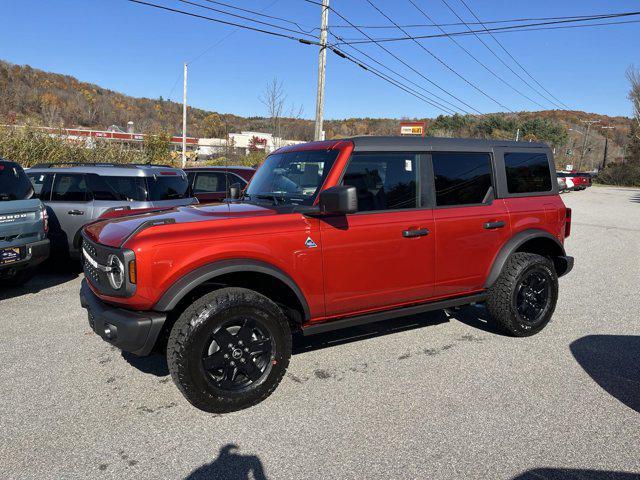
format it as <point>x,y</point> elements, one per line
<point>100,164</point>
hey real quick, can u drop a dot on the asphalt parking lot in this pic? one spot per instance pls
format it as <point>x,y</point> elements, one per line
<point>431,397</point>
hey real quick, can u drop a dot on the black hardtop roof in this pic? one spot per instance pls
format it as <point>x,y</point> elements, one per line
<point>390,143</point>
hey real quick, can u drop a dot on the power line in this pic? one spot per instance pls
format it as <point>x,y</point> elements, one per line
<point>408,66</point>
<point>437,104</point>
<point>235,15</point>
<point>499,58</point>
<point>225,22</point>
<point>476,59</point>
<point>486,22</point>
<point>262,14</point>
<point>442,62</point>
<point>300,40</point>
<point>507,29</point>
<point>513,58</point>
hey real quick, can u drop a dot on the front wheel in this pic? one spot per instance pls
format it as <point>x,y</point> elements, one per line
<point>523,298</point>
<point>229,350</point>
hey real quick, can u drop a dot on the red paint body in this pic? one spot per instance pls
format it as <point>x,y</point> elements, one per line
<point>362,263</point>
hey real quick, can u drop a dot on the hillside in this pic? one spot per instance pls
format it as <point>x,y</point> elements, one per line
<point>29,95</point>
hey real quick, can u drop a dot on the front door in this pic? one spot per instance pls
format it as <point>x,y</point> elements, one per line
<point>471,225</point>
<point>70,208</point>
<point>383,255</point>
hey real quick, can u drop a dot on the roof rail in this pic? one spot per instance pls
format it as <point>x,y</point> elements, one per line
<point>99,164</point>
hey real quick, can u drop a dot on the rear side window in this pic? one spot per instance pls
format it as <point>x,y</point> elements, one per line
<point>527,172</point>
<point>124,189</point>
<point>209,182</point>
<point>167,187</point>
<point>69,188</point>
<point>461,178</point>
<point>14,184</point>
<point>384,181</point>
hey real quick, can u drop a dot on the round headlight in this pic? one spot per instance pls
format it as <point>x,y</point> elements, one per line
<point>116,274</point>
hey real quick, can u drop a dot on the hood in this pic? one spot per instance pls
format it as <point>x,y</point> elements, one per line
<point>114,232</point>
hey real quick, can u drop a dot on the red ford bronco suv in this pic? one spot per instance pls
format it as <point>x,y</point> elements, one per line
<point>329,235</point>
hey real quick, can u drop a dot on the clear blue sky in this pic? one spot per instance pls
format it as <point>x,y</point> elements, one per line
<point>139,51</point>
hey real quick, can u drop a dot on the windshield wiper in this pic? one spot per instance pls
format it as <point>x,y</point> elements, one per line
<point>269,196</point>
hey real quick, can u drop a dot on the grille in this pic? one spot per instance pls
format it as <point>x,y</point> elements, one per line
<point>93,274</point>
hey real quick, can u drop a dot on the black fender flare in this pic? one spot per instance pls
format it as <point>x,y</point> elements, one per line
<point>512,245</point>
<point>193,279</point>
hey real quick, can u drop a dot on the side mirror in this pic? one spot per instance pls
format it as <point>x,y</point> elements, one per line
<point>339,200</point>
<point>234,191</point>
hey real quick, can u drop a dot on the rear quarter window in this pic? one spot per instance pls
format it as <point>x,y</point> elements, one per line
<point>14,184</point>
<point>527,172</point>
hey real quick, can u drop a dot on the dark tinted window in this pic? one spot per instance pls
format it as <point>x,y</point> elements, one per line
<point>461,178</point>
<point>527,172</point>
<point>293,177</point>
<point>167,187</point>
<point>14,184</point>
<point>127,189</point>
<point>69,188</point>
<point>384,181</point>
<point>209,182</point>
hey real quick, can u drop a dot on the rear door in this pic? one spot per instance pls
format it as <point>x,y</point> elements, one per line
<point>71,207</point>
<point>383,255</point>
<point>470,225</point>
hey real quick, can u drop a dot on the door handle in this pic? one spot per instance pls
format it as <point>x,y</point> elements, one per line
<point>76,212</point>
<point>415,233</point>
<point>494,225</point>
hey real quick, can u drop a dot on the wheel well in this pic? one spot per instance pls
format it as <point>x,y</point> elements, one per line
<point>268,285</point>
<point>547,248</point>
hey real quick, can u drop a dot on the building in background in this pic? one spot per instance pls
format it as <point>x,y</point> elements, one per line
<point>240,144</point>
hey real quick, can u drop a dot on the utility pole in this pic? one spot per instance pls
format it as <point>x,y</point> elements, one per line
<point>606,147</point>
<point>184,118</point>
<point>322,67</point>
<point>586,137</point>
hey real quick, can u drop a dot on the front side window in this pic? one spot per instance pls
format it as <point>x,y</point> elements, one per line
<point>209,182</point>
<point>384,181</point>
<point>461,178</point>
<point>69,188</point>
<point>293,177</point>
<point>527,172</point>
<point>167,187</point>
<point>14,184</point>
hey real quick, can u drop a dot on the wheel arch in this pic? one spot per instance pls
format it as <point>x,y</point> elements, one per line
<point>237,272</point>
<point>536,241</point>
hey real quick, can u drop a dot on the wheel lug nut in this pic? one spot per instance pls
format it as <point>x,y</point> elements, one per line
<point>226,356</point>
<point>232,363</point>
<point>240,343</point>
<point>246,349</point>
<point>242,360</point>
<point>230,345</point>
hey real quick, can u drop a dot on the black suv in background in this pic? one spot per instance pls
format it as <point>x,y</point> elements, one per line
<point>76,194</point>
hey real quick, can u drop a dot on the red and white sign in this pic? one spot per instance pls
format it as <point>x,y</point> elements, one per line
<point>416,129</point>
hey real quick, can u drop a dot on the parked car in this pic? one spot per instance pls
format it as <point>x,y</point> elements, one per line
<point>23,226</point>
<point>76,194</point>
<point>211,184</point>
<point>385,227</point>
<point>575,180</point>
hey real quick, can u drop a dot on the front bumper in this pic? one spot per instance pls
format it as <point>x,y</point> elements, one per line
<point>37,252</point>
<point>134,332</point>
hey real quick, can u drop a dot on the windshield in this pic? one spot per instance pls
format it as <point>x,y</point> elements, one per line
<point>292,178</point>
<point>169,187</point>
<point>14,184</point>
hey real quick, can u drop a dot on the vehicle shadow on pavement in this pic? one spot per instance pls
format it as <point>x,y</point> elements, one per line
<point>613,362</point>
<point>230,465</point>
<point>46,276</point>
<point>574,474</point>
<point>154,364</point>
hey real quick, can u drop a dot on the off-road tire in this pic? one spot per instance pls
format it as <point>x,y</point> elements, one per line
<point>501,298</point>
<point>191,331</point>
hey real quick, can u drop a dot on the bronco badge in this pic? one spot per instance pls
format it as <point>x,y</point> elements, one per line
<point>310,243</point>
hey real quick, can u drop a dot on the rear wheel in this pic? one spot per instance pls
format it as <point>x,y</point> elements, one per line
<point>523,298</point>
<point>229,350</point>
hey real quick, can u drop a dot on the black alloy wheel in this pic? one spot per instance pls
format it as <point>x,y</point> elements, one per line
<point>533,296</point>
<point>238,354</point>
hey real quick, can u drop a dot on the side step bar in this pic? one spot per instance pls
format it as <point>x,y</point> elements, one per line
<point>330,325</point>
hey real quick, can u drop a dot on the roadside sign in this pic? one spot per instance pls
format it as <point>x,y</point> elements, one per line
<point>413,128</point>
